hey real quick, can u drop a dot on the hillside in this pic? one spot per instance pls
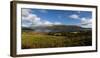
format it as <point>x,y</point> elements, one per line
<point>57,28</point>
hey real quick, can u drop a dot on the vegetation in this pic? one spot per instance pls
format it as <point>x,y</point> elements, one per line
<point>32,39</point>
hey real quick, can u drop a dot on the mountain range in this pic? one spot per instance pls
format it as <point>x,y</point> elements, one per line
<point>57,28</point>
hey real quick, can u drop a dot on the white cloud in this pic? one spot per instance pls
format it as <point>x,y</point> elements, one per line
<point>47,23</point>
<point>57,23</point>
<point>26,12</point>
<point>74,16</point>
<point>86,22</point>
<point>35,20</point>
<point>29,17</point>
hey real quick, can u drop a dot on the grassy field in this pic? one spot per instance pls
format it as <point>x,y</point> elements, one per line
<point>44,40</point>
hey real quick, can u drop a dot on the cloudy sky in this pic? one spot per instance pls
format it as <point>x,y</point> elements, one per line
<point>45,17</point>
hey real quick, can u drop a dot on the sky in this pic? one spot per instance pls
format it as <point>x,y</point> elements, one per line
<point>45,17</point>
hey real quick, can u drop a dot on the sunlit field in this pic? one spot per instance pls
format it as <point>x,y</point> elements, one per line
<point>55,39</point>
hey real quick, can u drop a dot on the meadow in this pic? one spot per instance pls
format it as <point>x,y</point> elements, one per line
<point>32,39</point>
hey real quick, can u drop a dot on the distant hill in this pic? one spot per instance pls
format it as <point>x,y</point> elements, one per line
<point>27,29</point>
<point>58,28</point>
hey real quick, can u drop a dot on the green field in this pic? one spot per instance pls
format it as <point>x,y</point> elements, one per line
<point>44,40</point>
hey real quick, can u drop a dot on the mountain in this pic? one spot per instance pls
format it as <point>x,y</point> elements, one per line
<point>27,29</point>
<point>58,28</point>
